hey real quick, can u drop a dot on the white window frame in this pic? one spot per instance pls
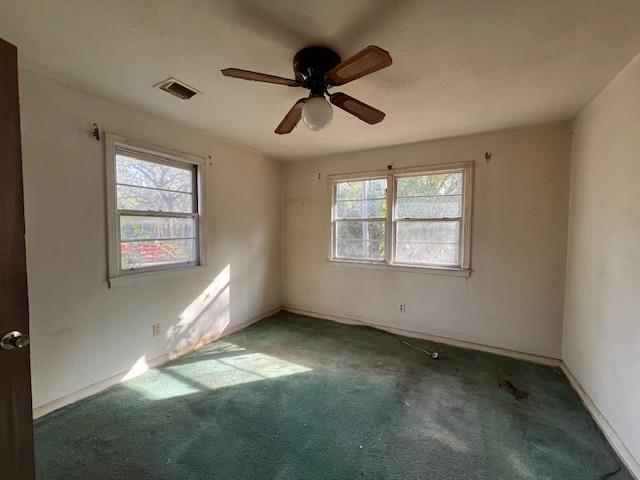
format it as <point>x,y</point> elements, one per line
<point>165,156</point>
<point>334,221</point>
<point>463,267</point>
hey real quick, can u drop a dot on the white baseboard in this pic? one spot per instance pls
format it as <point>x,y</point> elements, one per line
<point>94,388</point>
<point>530,357</point>
<point>614,440</point>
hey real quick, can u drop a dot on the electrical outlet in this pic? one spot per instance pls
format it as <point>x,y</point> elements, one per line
<point>156,329</point>
<point>402,308</point>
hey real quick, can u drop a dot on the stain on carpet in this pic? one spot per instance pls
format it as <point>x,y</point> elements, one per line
<point>518,394</point>
<point>296,397</point>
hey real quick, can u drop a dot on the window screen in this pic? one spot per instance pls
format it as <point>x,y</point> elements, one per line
<point>359,223</point>
<point>157,209</point>
<point>429,219</point>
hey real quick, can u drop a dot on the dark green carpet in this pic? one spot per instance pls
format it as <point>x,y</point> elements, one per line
<point>299,398</point>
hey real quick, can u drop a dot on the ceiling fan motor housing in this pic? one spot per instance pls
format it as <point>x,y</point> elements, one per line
<point>311,65</point>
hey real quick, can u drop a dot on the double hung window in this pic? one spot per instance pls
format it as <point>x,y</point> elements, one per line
<point>155,207</point>
<point>417,217</point>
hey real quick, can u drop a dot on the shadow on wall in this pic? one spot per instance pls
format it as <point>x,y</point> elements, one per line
<point>203,320</point>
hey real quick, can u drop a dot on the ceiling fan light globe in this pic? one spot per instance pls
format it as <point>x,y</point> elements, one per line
<point>317,113</point>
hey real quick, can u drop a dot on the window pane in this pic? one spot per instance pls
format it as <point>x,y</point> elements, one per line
<point>133,171</point>
<point>436,184</point>
<point>360,189</point>
<point>149,253</point>
<point>138,228</point>
<point>433,243</point>
<point>430,196</point>
<point>139,198</point>
<point>361,209</point>
<point>361,199</point>
<point>429,207</point>
<point>360,239</point>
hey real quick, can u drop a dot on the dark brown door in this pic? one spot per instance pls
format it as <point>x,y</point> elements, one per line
<point>16,422</point>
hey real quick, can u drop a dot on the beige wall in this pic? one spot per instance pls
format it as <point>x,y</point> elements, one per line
<point>602,320</point>
<point>82,331</point>
<point>514,298</point>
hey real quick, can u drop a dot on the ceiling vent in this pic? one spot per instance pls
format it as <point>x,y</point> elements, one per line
<point>177,88</point>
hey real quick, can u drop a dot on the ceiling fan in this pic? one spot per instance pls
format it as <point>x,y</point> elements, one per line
<point>319,69</point>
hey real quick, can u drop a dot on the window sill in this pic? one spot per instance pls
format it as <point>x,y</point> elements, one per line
<point>131,278</point>
<point>451,272</point>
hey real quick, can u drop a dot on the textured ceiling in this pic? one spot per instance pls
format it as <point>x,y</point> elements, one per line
<point>459,66</point>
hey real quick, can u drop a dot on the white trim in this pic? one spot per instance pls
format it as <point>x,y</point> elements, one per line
<point>609,432</point>
<point>505,352</point>
<point>398,267</point>
<point>92,389</point>
<point>152,149</point>
<point>97,387</point>
<point>467,215</point>
<point>368,175</point>
<point>150,152</point>
<point>390,225</point>
<point>174,271</point>
<point>439,167</point>
<point>112,211</point>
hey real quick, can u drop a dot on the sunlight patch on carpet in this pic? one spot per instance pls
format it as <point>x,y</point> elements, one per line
<point>225,366</point>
